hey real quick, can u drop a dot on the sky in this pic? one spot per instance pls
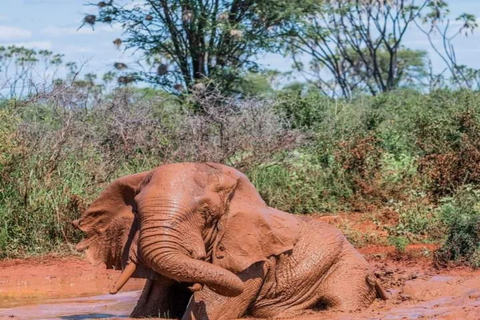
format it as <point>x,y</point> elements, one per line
<point>53,24</point>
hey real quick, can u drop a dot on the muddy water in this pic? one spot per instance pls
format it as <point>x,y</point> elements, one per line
<point>434,297</point>
<point>97,307</point>
<point>61,287</point>
<point>72,289</point>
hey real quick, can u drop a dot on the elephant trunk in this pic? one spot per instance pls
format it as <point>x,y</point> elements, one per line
<point>162,243</point>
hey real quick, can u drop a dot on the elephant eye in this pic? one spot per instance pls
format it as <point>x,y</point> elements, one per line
<point>204,211</point>
<point>207,214</point>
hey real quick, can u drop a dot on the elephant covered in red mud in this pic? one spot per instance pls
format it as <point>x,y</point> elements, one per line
<point>212,249</point>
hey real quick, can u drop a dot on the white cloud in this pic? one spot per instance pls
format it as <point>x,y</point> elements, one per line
<point>86,30</point>
<point>13,33</point>
<point>42,45</point>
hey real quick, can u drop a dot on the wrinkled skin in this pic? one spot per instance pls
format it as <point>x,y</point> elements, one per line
<point>212,249</point>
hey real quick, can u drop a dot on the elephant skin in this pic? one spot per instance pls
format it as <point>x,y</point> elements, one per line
<point>212,249</point>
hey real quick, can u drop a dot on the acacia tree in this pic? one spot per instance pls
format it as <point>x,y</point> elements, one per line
<point>186,41</point>
<point>356,46</point>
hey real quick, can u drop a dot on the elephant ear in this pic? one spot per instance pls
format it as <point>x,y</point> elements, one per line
<point>109,223</point>
<point>251,231</point>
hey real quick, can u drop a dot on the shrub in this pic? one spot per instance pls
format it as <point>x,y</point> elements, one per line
<point>415,220</point>
<point>400,243</point>
<point>297,182</point>
<point>304,110</point>
<point>448,134</point>
<point>8,126</point>
<point>360,158</point>
<point>304,152</point>
<point>59,156</point>
<point>461,215</point>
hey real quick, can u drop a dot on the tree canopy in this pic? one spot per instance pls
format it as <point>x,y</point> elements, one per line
<point>358,46</point>
<point>185,42</point>
<point>343,47</point>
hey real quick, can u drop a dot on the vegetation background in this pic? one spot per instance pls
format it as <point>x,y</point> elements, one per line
<point>367,125</point>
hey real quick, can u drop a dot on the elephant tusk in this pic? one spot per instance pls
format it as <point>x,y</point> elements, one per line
<point>196,287</point>
<point>126,274</point>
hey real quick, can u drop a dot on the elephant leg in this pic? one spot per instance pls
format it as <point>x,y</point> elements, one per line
<point>350,286</point>
<point>208,305</point>
<point>163,298</point>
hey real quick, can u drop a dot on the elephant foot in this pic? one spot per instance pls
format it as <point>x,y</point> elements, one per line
<point>162,298</point>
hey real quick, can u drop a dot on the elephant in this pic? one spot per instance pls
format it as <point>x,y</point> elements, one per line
<point>210,248</point>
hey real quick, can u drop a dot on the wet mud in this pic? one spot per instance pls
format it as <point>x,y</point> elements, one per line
<point>70,288</point>
<point>39,284</point>
<point>96,307</point>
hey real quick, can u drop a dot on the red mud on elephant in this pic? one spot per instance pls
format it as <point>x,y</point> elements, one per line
<point>210,248</point>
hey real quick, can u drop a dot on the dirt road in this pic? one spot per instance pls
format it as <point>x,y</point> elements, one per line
<point>70,288</point>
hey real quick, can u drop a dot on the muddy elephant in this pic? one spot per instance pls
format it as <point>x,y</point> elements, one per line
<point>212,249</point>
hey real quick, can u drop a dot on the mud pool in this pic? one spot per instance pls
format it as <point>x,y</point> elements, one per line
<point>69,288</point>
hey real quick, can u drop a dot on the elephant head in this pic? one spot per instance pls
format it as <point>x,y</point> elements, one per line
<point>190,222</point>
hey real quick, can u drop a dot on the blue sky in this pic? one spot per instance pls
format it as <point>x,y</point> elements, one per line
<point>52,25</point>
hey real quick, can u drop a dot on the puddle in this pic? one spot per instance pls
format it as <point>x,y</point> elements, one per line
<point>465,307</point>
<point>71,289</point>
<point>97,307</point>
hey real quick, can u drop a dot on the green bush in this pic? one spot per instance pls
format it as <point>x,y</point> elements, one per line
<point>38,202</point>
<point>400,243</point>
<point>298,183</point>
<point>8,126</point>
<point>303,110</point>
<point>448,136</point>
<point>461,215</point>
<point>417,221</point>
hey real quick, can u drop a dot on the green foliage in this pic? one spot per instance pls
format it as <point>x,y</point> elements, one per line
<point>400,243</point>
<point>187,42</point>
<point>300,184</point>
<point>8,125</point>
<point>255,84</point>
<point>417,221</point>
<point>303,109</point>
<point>394,143</point>
<point>448,136</point>
<point>36,214</point>
<point>461,215</point>
<point>303,151</point>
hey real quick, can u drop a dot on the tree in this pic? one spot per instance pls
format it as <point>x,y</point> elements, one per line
<point>439,23</point>
<point>361,72</point>
<point>26,71</point>
<point>185,42</point>
<point>356,46</point>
